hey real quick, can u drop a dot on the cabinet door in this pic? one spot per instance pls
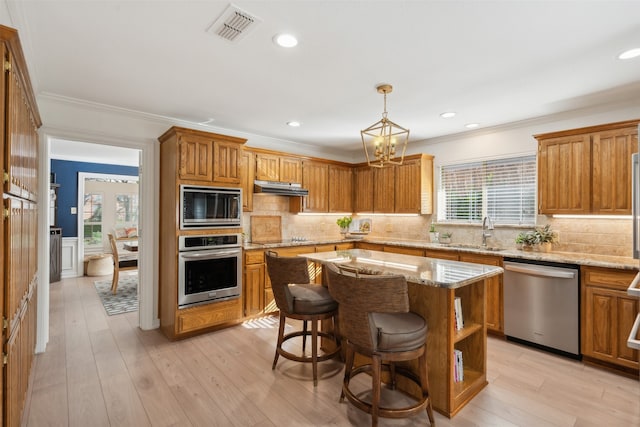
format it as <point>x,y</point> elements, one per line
<point>196,158</point>
<point>564,175</point>
<point>611,165</point>
<point>267,167</point>
<point>247,176</point>
<point>363,189</point>
<point>494,318</point>
<point>384,189</point>
<point>253,289</point>
<point>226,162</point>
<point>340,189</point>
<point>290,170</point>
<point>408,187</point>
<point>315,178</point>
<point>608,318</point>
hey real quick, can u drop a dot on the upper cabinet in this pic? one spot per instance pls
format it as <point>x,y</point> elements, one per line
<point>204,156</point>
<point>247,176</point>
<point>340,188</point>
<point>587,170</point>
<point>405,188</point>
<point>315,178</point>
<point>273,167</point>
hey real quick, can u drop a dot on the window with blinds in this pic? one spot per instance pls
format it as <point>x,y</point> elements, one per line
<point>504,190</point>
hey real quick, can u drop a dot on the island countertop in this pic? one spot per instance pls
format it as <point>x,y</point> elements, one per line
<point>426,271</point>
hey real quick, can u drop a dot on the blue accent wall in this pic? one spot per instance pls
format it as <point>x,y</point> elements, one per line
<point>66,173</point>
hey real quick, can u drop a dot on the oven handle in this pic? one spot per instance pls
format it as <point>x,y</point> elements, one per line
<point>209,254</point>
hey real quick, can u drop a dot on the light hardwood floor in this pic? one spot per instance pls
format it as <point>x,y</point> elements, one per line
<point>100,370</point>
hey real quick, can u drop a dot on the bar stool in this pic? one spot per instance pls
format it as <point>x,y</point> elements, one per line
<point>376,322</point>
<point>299,299</point>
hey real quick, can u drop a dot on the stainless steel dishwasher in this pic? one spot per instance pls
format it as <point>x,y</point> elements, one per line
<point>541,305</point>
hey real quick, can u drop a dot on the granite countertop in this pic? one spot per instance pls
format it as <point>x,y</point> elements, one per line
<point>427,271</point>
<point>594,260</point>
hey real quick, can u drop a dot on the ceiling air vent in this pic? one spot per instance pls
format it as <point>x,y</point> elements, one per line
<point>234,24</point>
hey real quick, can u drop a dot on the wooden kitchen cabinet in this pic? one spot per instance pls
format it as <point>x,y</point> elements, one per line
<point>247,177</point>
<point>384,191</point>
<point>315,178</point>
<point>192,157</point>
<point>340,188</point>
<point>586,170</point>
<point>406,188</point>
<point>441,254</point>
<point>363,189</point>
<point>204,156</point>
<point>607,316</point>
<point>19,157</point>
<point>226,162</point>
<point>494,316</point>
<point>254,283</point>
<point>611,177</point>
<point>404,250</point>
<point>414,186</point>
<point>196,158</point>
<point>276,167</point>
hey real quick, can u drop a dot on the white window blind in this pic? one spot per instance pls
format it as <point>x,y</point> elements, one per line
<point>504,190</point>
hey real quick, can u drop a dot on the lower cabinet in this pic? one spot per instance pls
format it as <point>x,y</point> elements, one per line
<point>205,316</point>
<point>607,317</point>
<point>254,277</point>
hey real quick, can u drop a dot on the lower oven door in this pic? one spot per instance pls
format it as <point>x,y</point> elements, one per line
<point>209,275</point>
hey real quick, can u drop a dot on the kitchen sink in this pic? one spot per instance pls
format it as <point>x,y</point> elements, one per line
<point>470,246</point>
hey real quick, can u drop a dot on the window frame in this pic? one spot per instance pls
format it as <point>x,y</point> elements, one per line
<point>525,164</point>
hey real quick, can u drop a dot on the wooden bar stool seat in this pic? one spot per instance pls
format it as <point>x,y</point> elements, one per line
<point>376,322</point>
<point>298,299</point>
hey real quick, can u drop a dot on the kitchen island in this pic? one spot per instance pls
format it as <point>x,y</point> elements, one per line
<point>434,284</point>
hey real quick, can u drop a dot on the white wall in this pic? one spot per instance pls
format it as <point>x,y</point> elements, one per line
<point>5,19</point>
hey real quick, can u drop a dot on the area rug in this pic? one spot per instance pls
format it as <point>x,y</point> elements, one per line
<point>126,297</point>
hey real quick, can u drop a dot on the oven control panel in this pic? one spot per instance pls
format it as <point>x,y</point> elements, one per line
<point>216,241</point>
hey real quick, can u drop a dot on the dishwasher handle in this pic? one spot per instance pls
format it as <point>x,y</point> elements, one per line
<point>541,271</point>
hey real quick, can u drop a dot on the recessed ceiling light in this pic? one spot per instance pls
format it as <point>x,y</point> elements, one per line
<point>628,54</point>
<point>293,124</point>
<point>472,125</point>
<point>285,40</point>
<point>448,114</point>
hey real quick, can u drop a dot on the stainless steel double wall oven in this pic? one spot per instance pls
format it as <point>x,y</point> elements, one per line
<point>210,263</point>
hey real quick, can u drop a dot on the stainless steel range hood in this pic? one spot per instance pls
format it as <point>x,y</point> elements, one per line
<point>279,188</point>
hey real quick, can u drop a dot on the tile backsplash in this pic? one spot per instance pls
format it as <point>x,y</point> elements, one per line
<point>597,236</point>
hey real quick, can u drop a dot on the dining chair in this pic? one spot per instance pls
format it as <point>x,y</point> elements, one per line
<point>376,322</point>
<point>119,264</point>
<point>299,299</point>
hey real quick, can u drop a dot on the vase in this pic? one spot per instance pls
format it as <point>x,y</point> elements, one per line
<point>544,247</point>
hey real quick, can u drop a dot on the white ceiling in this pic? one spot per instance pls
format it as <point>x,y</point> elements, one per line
<point>493,62</point>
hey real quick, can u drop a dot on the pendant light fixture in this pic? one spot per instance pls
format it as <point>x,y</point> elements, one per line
<point>384,139</point>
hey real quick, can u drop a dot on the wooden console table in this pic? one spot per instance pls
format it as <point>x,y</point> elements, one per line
<point>433,286</point>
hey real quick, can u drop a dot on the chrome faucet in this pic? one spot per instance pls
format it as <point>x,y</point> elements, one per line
<point>486,227</point>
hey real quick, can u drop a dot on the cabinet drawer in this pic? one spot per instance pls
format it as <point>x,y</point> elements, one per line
<point>345,246</point>
<point>434,253</point>
<point>325,248</point>
<point>607,277</point>
<point>205,316</point>
<point>256,257</point>
<point>404,250</point>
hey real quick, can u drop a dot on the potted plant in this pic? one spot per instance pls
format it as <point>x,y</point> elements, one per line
<point>545,237</point>
<point>344,223</point>
<point>526,240</point>
<point>445,237</point>
<point>433,234</point>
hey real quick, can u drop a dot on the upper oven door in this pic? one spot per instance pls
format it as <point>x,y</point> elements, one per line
<point>204,207</point>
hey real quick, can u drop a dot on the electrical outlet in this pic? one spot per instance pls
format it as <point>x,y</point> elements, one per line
<point>388,228</point>
<point>74,210</point>
<point>557,236</point>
